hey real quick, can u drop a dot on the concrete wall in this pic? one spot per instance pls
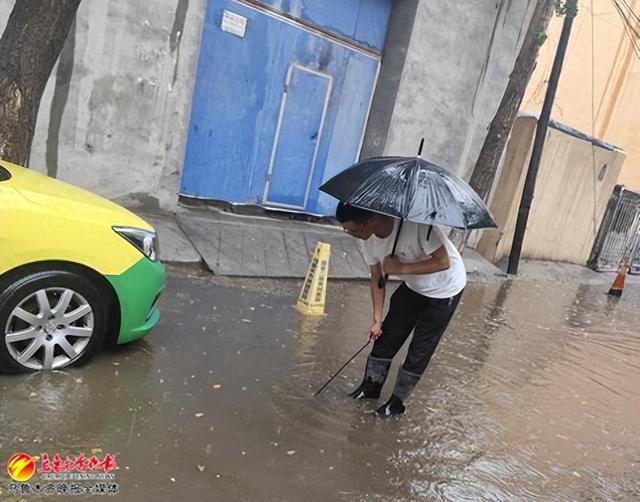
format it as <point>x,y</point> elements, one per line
<point>575,181</point>
<point>457,66</point>
<point>115,114</point>
<point>598,89</point>
<point>396,46</point>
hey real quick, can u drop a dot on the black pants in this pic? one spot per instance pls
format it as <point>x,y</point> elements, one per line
<point>428,318</point>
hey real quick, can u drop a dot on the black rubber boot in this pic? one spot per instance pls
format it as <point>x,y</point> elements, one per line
<point>392,407</point>
<point>405,383</point>
<point>374,376</point>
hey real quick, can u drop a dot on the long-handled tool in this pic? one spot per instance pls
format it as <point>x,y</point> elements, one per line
<point>341,368</point>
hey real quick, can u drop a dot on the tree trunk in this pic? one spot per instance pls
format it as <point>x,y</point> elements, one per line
<point>486,166</point>
<point>489,158</point>
<point>29,48</point>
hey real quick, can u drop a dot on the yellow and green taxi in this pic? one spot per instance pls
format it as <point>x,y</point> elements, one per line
<point>76,271</point>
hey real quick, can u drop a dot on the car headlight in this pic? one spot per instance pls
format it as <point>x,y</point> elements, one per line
<point>144,241</point>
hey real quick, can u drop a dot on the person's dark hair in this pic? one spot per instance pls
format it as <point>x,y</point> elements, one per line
<point>346,213</point>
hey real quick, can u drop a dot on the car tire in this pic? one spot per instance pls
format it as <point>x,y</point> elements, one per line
<point>68,334</point>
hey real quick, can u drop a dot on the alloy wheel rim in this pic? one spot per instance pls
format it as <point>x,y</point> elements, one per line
<point>49,329</point>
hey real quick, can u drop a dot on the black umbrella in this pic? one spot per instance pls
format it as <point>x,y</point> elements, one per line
<point>413,189</point>
<point>410,188</point>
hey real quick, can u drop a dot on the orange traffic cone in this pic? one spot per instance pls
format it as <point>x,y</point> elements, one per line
<point>618,283</point>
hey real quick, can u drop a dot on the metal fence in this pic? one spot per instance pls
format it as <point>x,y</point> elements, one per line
<point>634,260</point>
<point>618,237</point>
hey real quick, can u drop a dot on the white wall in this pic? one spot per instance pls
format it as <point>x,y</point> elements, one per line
<point>575,181</point>
<point>124,123</point>
<point>454,77</point>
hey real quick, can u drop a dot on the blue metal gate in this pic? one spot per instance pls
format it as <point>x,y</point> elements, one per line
<point>298,135</point>
<point>281,99</point>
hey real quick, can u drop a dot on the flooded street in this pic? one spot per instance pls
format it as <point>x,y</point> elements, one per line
<point>532,394</point>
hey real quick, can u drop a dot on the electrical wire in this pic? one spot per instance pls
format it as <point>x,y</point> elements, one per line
<point>593,121</point>
<point>631,23</point>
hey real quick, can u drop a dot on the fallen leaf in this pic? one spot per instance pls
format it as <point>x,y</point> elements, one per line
<point>291,452</point>
<point>201,468</point>
<point>94,451</point>
<point>217,386</point>
<point>199,415</point>
<point>173,479</point>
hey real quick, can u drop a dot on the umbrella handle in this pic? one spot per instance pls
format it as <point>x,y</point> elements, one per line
<point>382,281</point>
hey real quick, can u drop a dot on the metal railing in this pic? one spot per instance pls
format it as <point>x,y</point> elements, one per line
<point>618,237</point>
<point>634,259</point>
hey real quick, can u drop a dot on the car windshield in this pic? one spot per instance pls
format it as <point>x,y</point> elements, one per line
<point>4,174</point>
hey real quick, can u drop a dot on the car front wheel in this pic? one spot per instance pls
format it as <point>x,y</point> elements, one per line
<point>50,320</point>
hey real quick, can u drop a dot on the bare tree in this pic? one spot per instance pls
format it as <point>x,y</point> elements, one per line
<point>489,158</point>
<point>29,48</point>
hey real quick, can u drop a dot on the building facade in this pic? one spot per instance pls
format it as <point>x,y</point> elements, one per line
<point>599,89</point>
<point>259,102</point>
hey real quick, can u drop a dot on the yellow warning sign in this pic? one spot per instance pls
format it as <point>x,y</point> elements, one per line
<point>314,290</point>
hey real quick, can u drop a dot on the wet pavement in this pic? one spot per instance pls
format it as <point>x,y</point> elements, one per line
<point>533,394</point>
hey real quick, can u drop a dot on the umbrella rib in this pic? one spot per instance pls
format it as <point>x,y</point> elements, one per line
<point>410,188</point>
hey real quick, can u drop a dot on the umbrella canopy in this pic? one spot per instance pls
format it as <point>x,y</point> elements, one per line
<point>410,188</point>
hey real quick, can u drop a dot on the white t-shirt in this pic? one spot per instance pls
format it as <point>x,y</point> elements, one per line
<point>413,247</point>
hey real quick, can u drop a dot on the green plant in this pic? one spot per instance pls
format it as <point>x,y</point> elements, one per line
<point>567,7</point>
<point>541,38</point>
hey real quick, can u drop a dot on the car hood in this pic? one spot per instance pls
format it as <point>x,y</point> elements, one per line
<point>65,198</point>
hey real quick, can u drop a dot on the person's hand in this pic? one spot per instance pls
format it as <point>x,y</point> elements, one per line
<point>375,331</point>
<point>392,265</point>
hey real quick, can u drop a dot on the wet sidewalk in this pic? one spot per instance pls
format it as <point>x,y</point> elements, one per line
<point>249,246</point>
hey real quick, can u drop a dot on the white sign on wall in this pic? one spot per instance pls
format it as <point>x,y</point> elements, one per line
<point>234,23</point>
